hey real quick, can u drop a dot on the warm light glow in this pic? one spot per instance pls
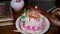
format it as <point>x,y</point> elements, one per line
<point>35,7</point>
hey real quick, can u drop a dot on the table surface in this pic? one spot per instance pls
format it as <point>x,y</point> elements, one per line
<point>9,29</point>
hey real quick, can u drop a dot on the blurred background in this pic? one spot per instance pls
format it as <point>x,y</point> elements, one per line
<point>46,5</point>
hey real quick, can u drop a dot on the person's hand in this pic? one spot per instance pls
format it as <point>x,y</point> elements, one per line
<point>56,22</point>
<point>58,13</point>
<point>55,18</point>
<point>55,9</point>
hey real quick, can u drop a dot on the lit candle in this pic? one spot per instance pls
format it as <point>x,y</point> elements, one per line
<point>35,7</point>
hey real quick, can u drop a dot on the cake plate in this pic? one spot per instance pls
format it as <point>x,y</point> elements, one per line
<point>46,29</point>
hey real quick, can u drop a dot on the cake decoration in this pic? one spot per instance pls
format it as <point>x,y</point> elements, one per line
<point>22,16</point>
<point>25,10</point>
<point>32,21</point>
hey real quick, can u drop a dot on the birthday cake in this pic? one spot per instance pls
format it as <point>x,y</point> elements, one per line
<point>32,22</point>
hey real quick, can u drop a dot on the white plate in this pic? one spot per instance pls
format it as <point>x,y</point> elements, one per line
<point>46,29</point>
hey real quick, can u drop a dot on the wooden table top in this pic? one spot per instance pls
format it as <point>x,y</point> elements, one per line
<point>8,29</point>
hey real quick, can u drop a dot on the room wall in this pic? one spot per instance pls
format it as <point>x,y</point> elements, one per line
<point>45,5</point>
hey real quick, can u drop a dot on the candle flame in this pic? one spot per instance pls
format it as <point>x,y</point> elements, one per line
<point>35,7</point>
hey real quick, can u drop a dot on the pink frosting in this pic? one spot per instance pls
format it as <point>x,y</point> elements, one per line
<point>33,28</point>
<point>39,27</point>
<point>28,27</point>
<point>23,25</point>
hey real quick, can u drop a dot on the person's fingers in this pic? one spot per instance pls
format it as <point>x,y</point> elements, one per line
<point>55,10</point>
<point>53,20</point>
<point>58,13</point>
